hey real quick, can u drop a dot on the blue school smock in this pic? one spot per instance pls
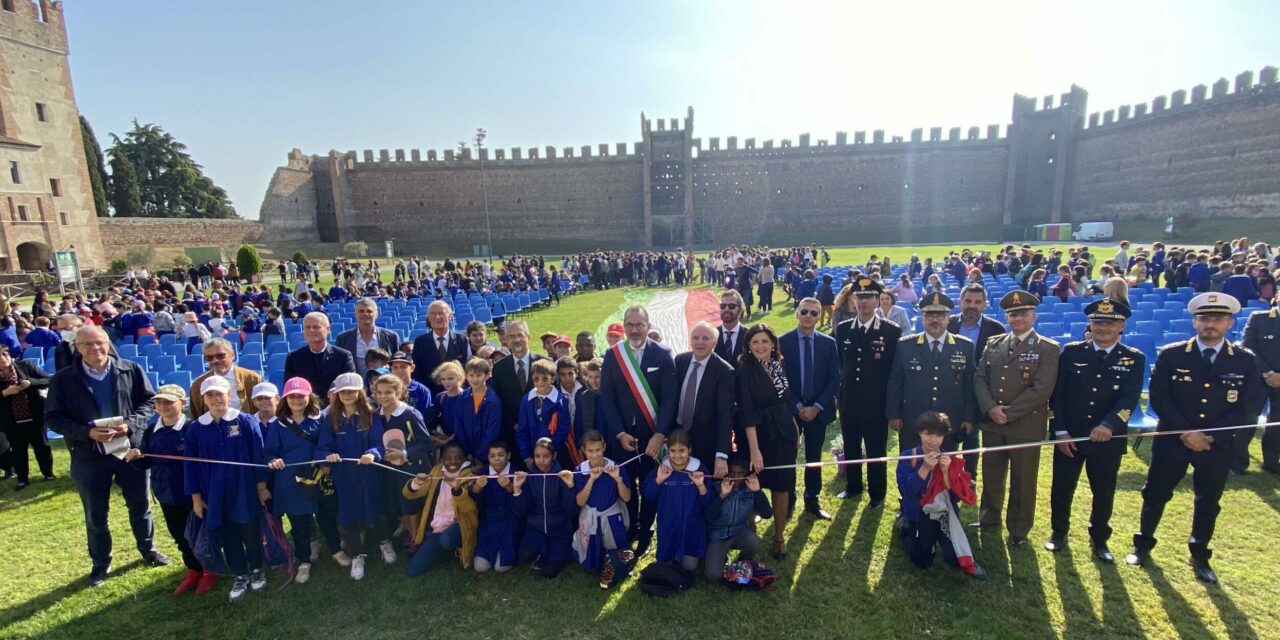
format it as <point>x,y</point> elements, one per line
<point>498,532</point>
<point>531,426</point>
<point>230,492</point>
<point>359,487</point>
<point>420,399</point>
<point>548,509</point>
<point>475,430</point>
<point>278,441</point>
<point>604,509</point>
<point>682,529</point>
<point>167,481</point>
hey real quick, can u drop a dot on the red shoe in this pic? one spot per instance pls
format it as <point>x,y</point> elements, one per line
<point>206,584</point>
<point>188,582</point>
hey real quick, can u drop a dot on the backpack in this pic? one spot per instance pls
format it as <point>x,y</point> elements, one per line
<point>662,579</point>
<point>749,575</point>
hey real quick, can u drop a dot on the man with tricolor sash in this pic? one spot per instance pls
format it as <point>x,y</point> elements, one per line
<point>638,386</point>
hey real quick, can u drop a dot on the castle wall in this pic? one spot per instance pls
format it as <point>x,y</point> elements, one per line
<point>289,209</point>
<point>119,234</point>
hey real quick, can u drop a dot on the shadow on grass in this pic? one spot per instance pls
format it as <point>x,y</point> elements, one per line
<point>1077,615</point>
<point>22,611</point>
<point>1180,612</point>
<point>39,491</point>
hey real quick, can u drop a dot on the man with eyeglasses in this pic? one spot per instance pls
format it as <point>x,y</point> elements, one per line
<point>732,310</point>
<point>220,358</point>
<point>932,371</point>
<point>812,364</point>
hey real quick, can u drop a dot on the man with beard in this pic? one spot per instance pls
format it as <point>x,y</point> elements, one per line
<point>732,310</point>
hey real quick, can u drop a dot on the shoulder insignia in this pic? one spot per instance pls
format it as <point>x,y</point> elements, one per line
<point>1124,414</point>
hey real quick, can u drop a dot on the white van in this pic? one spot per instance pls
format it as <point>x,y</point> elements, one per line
<point>1094,231</point>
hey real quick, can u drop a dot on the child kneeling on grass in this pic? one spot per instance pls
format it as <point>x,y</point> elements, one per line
<point>449,519</point>
<point>932,489</point>
<point>738,501</point>
<point>679,486</point>
<point>546,504</point>
<point>602,492</point>
<point>499,531</point>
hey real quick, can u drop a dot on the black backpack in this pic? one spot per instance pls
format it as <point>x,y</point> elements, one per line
<point>661,579</point>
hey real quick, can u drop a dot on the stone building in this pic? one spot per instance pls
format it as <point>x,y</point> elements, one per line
<point>1212,152</point>
<point>46,203</point>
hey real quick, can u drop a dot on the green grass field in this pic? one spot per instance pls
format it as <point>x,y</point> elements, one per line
<point>845,579</point>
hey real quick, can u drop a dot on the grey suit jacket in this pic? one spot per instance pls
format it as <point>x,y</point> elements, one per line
<point>387,339</point>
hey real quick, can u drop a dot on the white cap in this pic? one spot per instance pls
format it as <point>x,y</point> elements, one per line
<point>1213,303</point>
<point>347,382</point>
<point>215,383</point>
<point>264,389</point>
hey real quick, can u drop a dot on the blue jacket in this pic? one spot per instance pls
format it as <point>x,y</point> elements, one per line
<point>826,372</point>
<point>727,516</point>
<point>70,408</point>
<point>533,427</point>
<point>1242,287</point>
<point>278,441</point>
<point>622,414</point>
<point>547,505</point>
<point>167,482</point>
<point>230,492</point>
<point>360,487</point>
<point>474,431</point>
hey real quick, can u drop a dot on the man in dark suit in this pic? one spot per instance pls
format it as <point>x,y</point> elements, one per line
<point>65,352</point>
<point>706,398</point>
<point>1099,382</point>
<point>639,418</point>
<point>367,335</point>
<point>1262,337</point>
<point>1202,383</point>
<point>932,371</point>
<point>971,323</point>
<point>437,346</point>
<point>812,363</point>
<point>866,345</point>
<point>732,310</point>
<point>83,401</point>
<point>318,361</point>
<point>512,377</point>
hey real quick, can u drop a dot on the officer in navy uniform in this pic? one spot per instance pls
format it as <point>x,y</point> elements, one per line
<point>1202,383</point>
<point>1262,337</point>
<point>867,344</point>
<point>932,371</point>
<point>1099,383</point>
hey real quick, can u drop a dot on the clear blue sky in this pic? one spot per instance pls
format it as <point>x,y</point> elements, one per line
<point>243,82</point>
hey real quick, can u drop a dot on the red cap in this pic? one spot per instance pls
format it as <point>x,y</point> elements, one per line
<point>563,340</point>
<point>616,329</point>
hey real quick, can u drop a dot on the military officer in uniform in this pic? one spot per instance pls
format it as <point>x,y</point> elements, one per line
<point>1099,382</point>
<point>1262,337</point>
<point>867,344</point>
<point>932,371</point>
<point>1202,383</point>
<point>1013,382</point>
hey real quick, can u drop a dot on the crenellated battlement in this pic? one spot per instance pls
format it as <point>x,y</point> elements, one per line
<point>840,143</point>
<point>494,157</point>
<point>1200,97</point>
<point>38,23</point>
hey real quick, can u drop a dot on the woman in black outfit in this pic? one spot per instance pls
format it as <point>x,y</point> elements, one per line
<point>766,417</point>
<point>22,415</point>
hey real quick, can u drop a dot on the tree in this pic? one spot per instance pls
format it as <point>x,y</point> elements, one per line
<point>126,198</point>
<point>141,255</point>
<point>172,185</point>
<point>357,248</point>
<point>97,169</point>
<point>299,258</point>
<point>182,261</point>
<point>249,261</point>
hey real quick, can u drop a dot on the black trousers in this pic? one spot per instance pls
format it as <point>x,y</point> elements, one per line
<point>175,520</point>
<point>242,545</point>
<point>1169,461</point>
<point>866,433</point>
<point>766,296</point>
<point>327,521</point>
<point>1102,469</point>
<point>922,538</point>
<point>1243,438</point>
<point>25,435</point>
<point>642,512</point>
<point>815,436</point>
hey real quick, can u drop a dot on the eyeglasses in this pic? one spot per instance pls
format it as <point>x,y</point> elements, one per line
<point>808,312</point>
<point>728,305</point>
<point>215,356</point>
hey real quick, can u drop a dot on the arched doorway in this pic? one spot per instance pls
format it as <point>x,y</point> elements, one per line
<point>33,256</point>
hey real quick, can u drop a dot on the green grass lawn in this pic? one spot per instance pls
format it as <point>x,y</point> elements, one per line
<point>848,578</point>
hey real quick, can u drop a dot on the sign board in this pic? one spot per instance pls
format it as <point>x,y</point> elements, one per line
<point>68,269</point>
<point>391,249</point>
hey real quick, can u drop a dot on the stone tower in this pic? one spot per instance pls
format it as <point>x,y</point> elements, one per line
<point>668,181</point>
<point>46,203</point>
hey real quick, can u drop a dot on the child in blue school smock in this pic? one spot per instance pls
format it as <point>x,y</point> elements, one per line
<point>450,376</point>
<point>544,413</point>
<point>679,487</point>
<point>475,418</point>
<point>401,425</point>
<point>165,436</point>
<point>602,491</point>
<point>547,505</point>
<point>352,433</point>
<point>499,529</point>
<point>291,438</point>
<point>228,497</point>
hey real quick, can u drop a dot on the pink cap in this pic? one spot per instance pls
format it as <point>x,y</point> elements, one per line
<point>297,386</point>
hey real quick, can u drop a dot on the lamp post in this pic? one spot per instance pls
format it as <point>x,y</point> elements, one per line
<point>484,187</point>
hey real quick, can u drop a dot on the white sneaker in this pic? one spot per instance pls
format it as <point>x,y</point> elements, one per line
<point>239,587</point>
<point>304,573</point>
<point>388,551</point>
<point>342,559</point>
<point>315,550</point>
<point>357,568</point>
<point>258,580</point>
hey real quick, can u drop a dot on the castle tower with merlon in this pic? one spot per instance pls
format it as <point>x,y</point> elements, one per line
<point>46,202</point>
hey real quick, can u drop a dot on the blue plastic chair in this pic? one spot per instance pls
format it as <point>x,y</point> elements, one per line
<point>251,348</point>
<point>145,340</point>
<point>1144,343</point>
<point>1171,337</point>
<point>151,350</point>
<point>154,378</point>
<point>251,361</point>
<point>1151,328</point>
<point>176,350</point>
<point>127,350</point>
<point>193,363</point>
<point>163,364</point>
<point>275,361</point>
<point>181,378</point>
<point>168,339</point>
<point>277,347</point>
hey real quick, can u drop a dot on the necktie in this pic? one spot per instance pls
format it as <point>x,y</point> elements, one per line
<point>1014,343</point>
<point>806,385</point>
<point>690,397</point>
<point>1208,356</point>
<point>728,341</point>
<point>539,403</point>
<point>520,373</point>
<point>937,350</point>
<point>1102,355</point>
<point>442,351</point>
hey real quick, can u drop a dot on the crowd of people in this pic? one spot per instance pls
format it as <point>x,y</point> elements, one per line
<point>449,447</point>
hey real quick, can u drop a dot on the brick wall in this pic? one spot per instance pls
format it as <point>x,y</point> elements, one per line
<point>118,234</point>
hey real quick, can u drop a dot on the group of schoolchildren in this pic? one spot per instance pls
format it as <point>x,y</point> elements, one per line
<point>364,469</point>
